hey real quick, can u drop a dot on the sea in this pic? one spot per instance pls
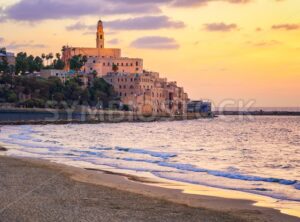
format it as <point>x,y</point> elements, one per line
<point>258,155</point>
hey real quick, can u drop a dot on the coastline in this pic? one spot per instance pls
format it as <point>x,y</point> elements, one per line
<point>50,116</point>
<point>166,196</point>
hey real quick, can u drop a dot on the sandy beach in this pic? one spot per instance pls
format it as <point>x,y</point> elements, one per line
<point>35,190</point>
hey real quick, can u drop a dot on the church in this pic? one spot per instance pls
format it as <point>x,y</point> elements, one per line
<point>143,91</point>
<point>101,59</point>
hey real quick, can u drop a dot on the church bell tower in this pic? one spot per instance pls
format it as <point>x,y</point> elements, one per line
<point>100,35</point>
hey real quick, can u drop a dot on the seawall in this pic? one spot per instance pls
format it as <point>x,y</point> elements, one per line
<point>48,116</point>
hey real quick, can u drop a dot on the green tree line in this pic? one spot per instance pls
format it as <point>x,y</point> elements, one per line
<point>29,63</point>
<point>40,93</point>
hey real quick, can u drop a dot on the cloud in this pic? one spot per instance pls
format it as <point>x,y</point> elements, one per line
<point>81,26</point>
<point>287,27</point>
<point>14,45</point>
<point>220,27</point>
<point>199,3</point>
<point>145,23</point>
<point>1,40</point>
<point>113,41</point>
<point>155,42</point>
<point>265,43</point>
<point>37,10</point>
<point>137,23</point>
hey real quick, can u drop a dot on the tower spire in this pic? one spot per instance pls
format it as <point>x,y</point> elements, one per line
<point>100,35</point>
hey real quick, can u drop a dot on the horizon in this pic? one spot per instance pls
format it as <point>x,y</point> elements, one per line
<point>214,49</point>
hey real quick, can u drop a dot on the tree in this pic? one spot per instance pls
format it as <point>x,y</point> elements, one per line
<point>22,65</point>
<point>77,62</point>
<point>39,64</point>
<point>59,64</point>
<point>63,49</point>
<point>115,68</point>
<point>4,66</point>
<point>31,64</point>
<point>51,57</point>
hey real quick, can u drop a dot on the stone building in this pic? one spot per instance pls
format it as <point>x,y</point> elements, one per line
<point>101,59</point>
<point>142,91</point>
<point>148,93</point>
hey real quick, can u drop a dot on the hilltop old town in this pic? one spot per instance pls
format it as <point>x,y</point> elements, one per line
<point>136,89</point>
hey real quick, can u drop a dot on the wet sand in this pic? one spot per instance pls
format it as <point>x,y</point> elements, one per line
<point>35,190</point>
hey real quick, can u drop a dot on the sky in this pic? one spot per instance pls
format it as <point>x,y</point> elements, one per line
<point>221,50</point>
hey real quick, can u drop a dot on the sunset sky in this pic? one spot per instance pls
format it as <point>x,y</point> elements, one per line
<point>215,49</point>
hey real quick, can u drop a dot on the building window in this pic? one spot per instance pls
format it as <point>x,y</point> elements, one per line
<point>104,64</point>
<point>122,64</point>
<point>137,63</point>
<point>94,61</point>
<point>120,87</point>
<point>101,37</point>
<point>131,79</point>
<point>124,87</point>
<point>120,94</point>
<point>131,64</point>
<point>125,94</point>
<point>137,69</point>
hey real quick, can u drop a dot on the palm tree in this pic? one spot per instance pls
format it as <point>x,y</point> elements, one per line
<point>58,55</point>
<point>43,57</point>
<point>47,58</point>
<point>51,57</point>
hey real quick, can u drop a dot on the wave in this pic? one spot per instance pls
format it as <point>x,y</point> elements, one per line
<point>230,175</point>
<point>162,155</point>
<point>260,191</point>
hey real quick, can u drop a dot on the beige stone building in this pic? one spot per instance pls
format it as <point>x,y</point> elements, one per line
<point>148,93</point>
<point>143,91</point>
<point>101,59</point>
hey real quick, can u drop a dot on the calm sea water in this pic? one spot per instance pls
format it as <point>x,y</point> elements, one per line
<point>260,155</point>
